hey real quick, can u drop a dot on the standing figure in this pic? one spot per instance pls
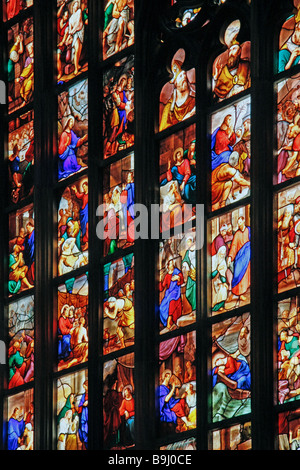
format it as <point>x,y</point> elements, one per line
<point>171,304</point>
<point>240,253</point>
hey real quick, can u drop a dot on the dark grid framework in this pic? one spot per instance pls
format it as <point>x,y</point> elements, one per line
<point>155,43</point>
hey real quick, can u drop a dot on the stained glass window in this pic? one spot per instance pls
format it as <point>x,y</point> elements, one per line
<point>107,105</point>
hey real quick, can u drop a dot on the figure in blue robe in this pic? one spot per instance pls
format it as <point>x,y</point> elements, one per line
<point>15,431</point>
<point>67,160</point>
<point>223,157</point>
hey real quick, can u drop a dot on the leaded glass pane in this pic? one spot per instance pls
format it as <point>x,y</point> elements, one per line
<point>289,430</point>
<point>230,260</point>
<point>178,283</point>
<point>21,250</point>
<point>289,41</point>
<point>118,26</point>
<point>187,444</point>
<point>20,69</point>
<point>287,238</point>
<point>73,130</point>
<point>118,308</point>
<point>19,426</point>
<point>118,201</point>
<point>177,98</point>
<point>237,437</point>
<point>288,350</point>
<point>72,411</point>
<point>230,154</point>
<point>73,227</point>
<point>177,376</point>
<point>71,53</point>
<point>12,8</point>
<point>231,69</point>
<point>21,157</point>
<point>119,403</point>
<point>231,369</point>
<point>288,130</point>
<point>118,106</point>
<point>21,342</point>
<point>177,167</point>
<point>72,322</point>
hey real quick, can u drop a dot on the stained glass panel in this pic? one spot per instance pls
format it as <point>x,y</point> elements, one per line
<point>187,444</point>
<point>72,24</point>
<point>289,430</point>
<point>178,283</point>
<point>177,166</point>
<point>119,403</point>
<point>231,373</point>
<point>21,157</point>
<point>73,227</point>
<point>73,130</point>
<point>288,130</point>
<point>237,437</point>
<point>21,250</point>
<point>289,41</point>
<point>12,8</point>
<point>118,198</point>
<point>230,154</point>
<point>118,106</point>
<point>72,411</point>
<point>231,69</point>
<point>72,328</point>
<point>19,429</point>
<point>177,97</point>
<point>230,260</point>
<point>288,350</point>
<point>21,342</point>
<point>185,16</point>
<point>287,238</point>
<point>119,313</point>
<point>118,27</point>
<point>20,69</point>
<point>177,374</point>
